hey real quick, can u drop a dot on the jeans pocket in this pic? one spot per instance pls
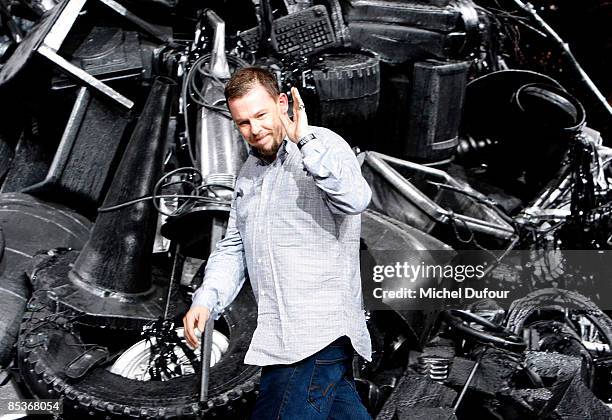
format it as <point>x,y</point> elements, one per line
<point>325,377</point>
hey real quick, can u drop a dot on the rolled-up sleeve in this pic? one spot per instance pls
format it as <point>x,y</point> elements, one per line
<point>337,173</point>
<point>225,271</point>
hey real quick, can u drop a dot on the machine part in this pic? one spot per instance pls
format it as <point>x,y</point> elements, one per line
<point>570,60</point>
<point>28,225</point>
<point>487,98</point>
<point>556,109</point>
<point>491,333</point>
<point>430,207</point>
<point>416,391</point>
<point>220,150</point>
<point>85,361</point>
<point>348,86</point>
<point>108,53</point>
<point>101,279</point>
<point>416,14</point>
<point>466,386</point>
<point>145,26</point>
<point>592,324</point>
<point>574,400</point>
<point>337,20</point>
<point>568,323</point>
<point>434,111</point>
<point>103,394</point>
<point>30,161</point>
<point>302,33</point>
<point>435,367</point>
<point>49,36</point>
<point>396,44</point>
<point>208,217</point>
<point>135,361</point>
<point>82,165</point>
<point>381,233</point>
<point>128,270</point>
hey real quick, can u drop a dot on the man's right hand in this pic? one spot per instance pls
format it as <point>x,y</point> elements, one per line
<point>196,316</point>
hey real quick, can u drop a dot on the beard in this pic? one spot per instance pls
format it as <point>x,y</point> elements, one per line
<point>270,148</point>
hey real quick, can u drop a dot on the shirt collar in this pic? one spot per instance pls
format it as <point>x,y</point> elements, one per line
<point>281,154</point>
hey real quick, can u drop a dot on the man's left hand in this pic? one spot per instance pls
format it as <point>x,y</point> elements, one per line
<point>297,128</point>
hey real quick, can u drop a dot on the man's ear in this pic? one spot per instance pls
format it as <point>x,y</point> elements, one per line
<point>283,103</point>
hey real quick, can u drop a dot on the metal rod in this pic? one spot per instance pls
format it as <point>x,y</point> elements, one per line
<point>205,353</point>
<point>465,387</point>
<point>83,76</point>
<point>565,51</point>
<point>430,207</point>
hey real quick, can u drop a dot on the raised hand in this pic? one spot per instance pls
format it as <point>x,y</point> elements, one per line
<point>297,128</point>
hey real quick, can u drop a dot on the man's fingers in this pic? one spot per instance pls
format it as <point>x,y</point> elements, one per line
<point>287,123</point>
<point>296,101</point>
<point>188,323</point>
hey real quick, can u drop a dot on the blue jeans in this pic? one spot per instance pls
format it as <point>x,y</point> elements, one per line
<point>318,387</point>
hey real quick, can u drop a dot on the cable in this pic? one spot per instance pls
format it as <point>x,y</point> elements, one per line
<point>151,197</point>
<point>160,184</point>
<point>192,88</point>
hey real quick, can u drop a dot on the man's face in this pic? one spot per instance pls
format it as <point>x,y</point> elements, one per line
<point>257,115</point>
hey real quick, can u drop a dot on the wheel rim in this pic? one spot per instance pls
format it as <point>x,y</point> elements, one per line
<point>134,363</point>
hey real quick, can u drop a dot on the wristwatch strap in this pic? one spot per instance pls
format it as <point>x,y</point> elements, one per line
<point>305,140</point>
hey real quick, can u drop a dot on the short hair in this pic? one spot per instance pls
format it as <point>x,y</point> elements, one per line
<point>243,80</point>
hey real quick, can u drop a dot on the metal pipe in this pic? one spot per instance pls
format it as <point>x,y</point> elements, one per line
<point>492,212</point>
<point>220,150</point>
<point>431,208</point>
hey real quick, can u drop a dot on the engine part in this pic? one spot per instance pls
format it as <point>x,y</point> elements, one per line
<point>220,150</point>
<point>348,86</point>
<point>496,227</point>
<point>491,333</point>
<point>81,168</point>
<point>434,111</point>
<point>435,367</point>
<point>27,226</point>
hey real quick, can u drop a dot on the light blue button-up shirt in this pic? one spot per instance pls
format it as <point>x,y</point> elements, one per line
<point>294,227</point>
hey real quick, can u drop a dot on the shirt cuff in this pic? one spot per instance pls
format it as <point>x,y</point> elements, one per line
<point>207,299</point>
<point>311,148</point>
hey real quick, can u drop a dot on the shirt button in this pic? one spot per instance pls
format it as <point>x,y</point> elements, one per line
<point>259,260</point>
<point>263,293</point>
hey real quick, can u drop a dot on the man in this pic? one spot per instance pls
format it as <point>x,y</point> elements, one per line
<point>294,228</point>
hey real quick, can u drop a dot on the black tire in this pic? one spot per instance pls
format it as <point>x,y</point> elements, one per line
<point>44,349</point>
<point>556,299</point>
<point>28,225</point>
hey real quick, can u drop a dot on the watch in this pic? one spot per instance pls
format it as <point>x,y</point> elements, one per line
<point>305,140</point>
